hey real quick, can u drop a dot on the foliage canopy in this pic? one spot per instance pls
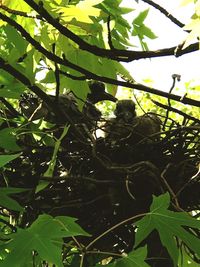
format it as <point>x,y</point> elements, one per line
<point>69,197</point>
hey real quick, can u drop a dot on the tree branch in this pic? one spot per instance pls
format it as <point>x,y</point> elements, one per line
<point>93,76</point>
<point>115,54</point>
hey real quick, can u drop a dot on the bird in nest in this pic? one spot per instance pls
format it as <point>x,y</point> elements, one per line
<point>97,94</point>
<point>34,108</point>
<point>130,128</point>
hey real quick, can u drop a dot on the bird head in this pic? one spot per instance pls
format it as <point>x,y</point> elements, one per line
<point>98,93</point>
<point>125,110</point>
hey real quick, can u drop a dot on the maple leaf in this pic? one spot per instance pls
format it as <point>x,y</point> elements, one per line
<point>81,12</point>
<point>169,225</point>
<point>44,236</point>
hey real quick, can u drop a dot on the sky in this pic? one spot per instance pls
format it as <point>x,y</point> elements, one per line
<point>160,70</point>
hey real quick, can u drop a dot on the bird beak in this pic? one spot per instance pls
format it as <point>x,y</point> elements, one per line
<point>107,96</point>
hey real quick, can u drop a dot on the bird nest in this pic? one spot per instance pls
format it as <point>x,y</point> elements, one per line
<point>103,181</point>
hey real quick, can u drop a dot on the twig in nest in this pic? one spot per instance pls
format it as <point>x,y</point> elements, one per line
<point>174,77</point>
<point>176,111</point>
<point>169,188</point>
<point>196,177</point>
<point>127,187</point>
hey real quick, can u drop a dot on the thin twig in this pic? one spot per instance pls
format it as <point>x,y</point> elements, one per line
<point>196,177</point>
<point>176,111</point>
<point>169,187</point>
<point>174,77</point>
<point>114,227</point>
<point>165,12</point>
<point>20,13</point>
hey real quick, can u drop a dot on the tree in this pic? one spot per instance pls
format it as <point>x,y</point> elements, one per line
<point>72,198</point>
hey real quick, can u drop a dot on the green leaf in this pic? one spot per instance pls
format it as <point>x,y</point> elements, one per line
<point>44,236</point>
<point>135,258</point>
<point>6,201</point>
<point>12,92</point>
<point>24,242</point>
<point>16,39</point>
<point>81,12</point>
<point>114,9</point>
<point>9,203</point>
<point>107,68</point>
<point>19,248</point>
<point>70,226</point>
<point>5,78</point>
<point>60,226</point>
<point>18,5</point>
<point>8,139</point>
<point>141,17</point>
<point>13,56</point>
<point>49,250</point>
<point>126,10</point>
<point>79,88</point>
<point>169,224</point>
<point>123,71</point>
<point>112,89</point>
<point>46,38</point>
<point>144,30</point>
<point>49,172</point>
<point>49,77</point>
<point>29,66</point>
<point>4,159</point>
<point>193,27</point>
<point>12,190</point>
